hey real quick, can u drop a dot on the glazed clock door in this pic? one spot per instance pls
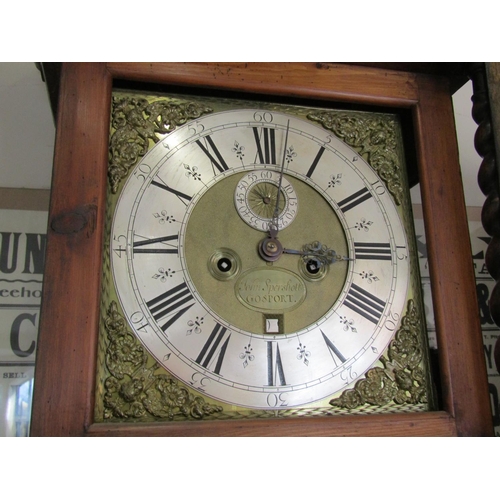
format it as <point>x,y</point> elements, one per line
<point>230,202</point>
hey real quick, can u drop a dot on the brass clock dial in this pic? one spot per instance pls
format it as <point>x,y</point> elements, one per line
<point>190,228</point>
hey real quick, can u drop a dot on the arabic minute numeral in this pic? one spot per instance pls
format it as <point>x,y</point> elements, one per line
<point>138,320</point>
<point>348,375</point>
<point>143,171</point>
<point>196,128</point>
<point>277,400</point>
<point>392,321</point>
<point>199,381</point>
<point>263,116</point>
<point>402,252</point>
<point>118,249</point>
<point>378,188</point>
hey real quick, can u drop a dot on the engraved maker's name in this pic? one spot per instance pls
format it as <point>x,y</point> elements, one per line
<point>270,289</point>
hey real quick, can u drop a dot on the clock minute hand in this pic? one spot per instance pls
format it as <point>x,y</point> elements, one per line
<point>273,226</point>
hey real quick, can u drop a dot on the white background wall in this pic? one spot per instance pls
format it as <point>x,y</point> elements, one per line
<point>27,133</point>
<point>26,128</point>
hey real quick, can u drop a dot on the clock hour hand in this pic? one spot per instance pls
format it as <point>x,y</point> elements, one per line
<point>270,249</point>
<point>318,252</point>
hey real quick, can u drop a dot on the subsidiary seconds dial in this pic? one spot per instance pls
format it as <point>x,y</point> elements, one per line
<point>256,196</point>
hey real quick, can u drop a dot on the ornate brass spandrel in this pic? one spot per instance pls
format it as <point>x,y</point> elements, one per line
<point>137,124</point>
<point>401,378</point>
<point>134,389</point>
<point>373,136</point>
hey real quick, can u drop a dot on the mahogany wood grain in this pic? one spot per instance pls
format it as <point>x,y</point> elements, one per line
<point>65,368</point>
<point>456,312</point>
<point>409,424</point>
<point>65,371</point>
<point>327,81</point>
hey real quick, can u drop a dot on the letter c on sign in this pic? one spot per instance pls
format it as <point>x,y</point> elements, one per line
<point>14,335</point>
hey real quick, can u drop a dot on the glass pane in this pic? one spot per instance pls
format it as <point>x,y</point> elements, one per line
<point>22,252</point>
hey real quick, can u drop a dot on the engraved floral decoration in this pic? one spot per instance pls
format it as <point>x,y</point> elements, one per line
<point>163,274</point>
<point>363,224</point>
<point>348,324</point>
<point>195,326</point>
<point>247,355</point>
<point>303,354</point>
<point>290,154</point>
<point>335,180</point>
<point>137,124</point>
<point>192,172</point>
<point>373,136</point>
<point>134,389</point>
<point>401,379</point>
<point>238,150</point>
<point>164,217</point>
<point>369,276</point>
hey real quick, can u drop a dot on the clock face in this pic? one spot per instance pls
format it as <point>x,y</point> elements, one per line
<point>259,259</point>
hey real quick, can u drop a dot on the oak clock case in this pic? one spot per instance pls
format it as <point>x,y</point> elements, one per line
<point>257,264</point>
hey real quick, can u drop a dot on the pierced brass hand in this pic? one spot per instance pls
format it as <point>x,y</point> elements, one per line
<point>319,252</point>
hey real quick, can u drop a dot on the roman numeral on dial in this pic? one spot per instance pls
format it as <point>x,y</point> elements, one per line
<point>174,303</point>
<point>364,303</point>
<point>315,162</point>
<point>275,372</point>
<point>266,145</point>
<point>182,196</point>
<point>335,353</point>
<point>211,351</point>
<point>137,245</point>
<point>372,251</point>
<point>354,200</point>
<point>216,160</point>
